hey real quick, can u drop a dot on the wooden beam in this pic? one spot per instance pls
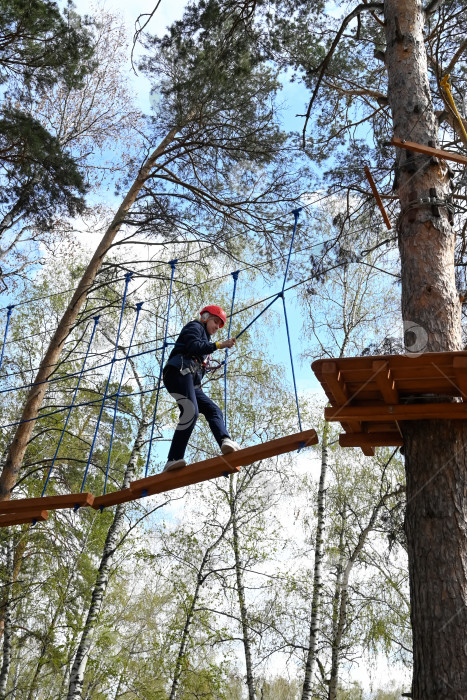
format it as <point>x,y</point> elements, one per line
<point>21,518</point>
<point>113,499</point>
<point>377,412</point>
<point>334,380</point>
<point>193,474</point>
<point>380,204</point>
<point>386,439</point>
<point>47,502</point>
<point>336,385</point>
<point>385,381</point>
<point>428,150</point>
<point>220,465</point>
<point>460,372</point>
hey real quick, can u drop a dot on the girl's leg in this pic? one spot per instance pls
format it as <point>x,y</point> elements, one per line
<point>213,415</point>
<point>181,388</point>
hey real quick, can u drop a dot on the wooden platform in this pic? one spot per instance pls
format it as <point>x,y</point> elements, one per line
<point>26,509</point>
<point>369,396</point>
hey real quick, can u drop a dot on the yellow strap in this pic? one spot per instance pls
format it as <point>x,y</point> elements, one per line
<point>447,89</point>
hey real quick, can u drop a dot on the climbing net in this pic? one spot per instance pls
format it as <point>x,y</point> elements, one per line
<point>114,369</point>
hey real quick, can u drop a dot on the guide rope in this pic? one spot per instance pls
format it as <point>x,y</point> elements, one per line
<point>172,264</point>
<point>70,408</point>
<point>8,316</point>
<point>235,278</point>
<point>128,277</point>
<point>117,393</point>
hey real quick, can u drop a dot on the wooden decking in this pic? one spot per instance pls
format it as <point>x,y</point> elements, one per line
<point>369,396</point>
<point>33,509</point>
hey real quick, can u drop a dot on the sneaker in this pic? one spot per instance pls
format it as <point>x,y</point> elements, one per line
<point>174,464</point>
<point>229,446</point>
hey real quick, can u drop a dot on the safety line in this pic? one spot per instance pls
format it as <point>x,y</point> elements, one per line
<point>117,394</point>
<point>291,362</point>
<point>10,309</point>
<point>296,213</point>
<point>235,278</point>
<point>172,264</point>
<point>128,276</point>
<point>96,321</point>
<point>276,297</point>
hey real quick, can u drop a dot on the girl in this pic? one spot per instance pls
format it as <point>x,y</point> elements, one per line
<point>182,377</point>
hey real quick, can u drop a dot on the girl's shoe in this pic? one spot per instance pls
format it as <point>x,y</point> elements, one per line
<point>229,446</point>
<point>174,464</point>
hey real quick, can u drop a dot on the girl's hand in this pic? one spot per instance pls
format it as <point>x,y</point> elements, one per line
<point>227,343</point>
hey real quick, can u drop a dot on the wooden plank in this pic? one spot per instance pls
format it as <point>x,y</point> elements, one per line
<point>192,474</point>
<point>217,466</point>
<point>24,517</point>
<point>428,150</point>
<point>460,374</point>
<point>433,411</point>
<point>385,381</point>
<point>383,439</point>
<point>380,204</point>
<point>69,500</point>
<point>368,450</point>
<point>113,499</point>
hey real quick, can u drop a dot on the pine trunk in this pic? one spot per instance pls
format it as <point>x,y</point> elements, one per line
<point>75,688</point>
<point>317,583</point>
<point>435,456</point>
<point>33,403</point>
<point>241,595</point>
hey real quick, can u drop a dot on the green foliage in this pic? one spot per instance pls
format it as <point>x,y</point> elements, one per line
<point>39,178</point>
<point>40,46</point>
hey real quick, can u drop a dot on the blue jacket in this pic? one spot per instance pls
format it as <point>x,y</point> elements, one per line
<point>192,347</point>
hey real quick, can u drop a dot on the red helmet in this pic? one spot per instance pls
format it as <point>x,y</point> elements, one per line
<point>215,311</point>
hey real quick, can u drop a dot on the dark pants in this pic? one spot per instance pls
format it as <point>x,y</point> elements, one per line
<point>191,402</point>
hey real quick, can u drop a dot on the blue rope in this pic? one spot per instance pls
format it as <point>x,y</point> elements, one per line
<point>172,264</point>
<point>96,321</point>
<point>291,362</point>
<point>296,213</point>
<point>260,314</point>
<point>117,394</point>
<point>235,278</point>
<point>10,309</point>
<point>128,276</point>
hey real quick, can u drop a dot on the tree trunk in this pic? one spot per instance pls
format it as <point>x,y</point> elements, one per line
<point>17,561</point>
<point>317,584</point>
<point>241,595</point>
<point>33,403</point>
<point>335,650</point>
<point>200,579</point>
<point>7,631</point>
<point>82,653</point>
<point>435,457</point>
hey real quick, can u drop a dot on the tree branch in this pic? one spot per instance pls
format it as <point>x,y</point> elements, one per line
<point>355,13</point>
